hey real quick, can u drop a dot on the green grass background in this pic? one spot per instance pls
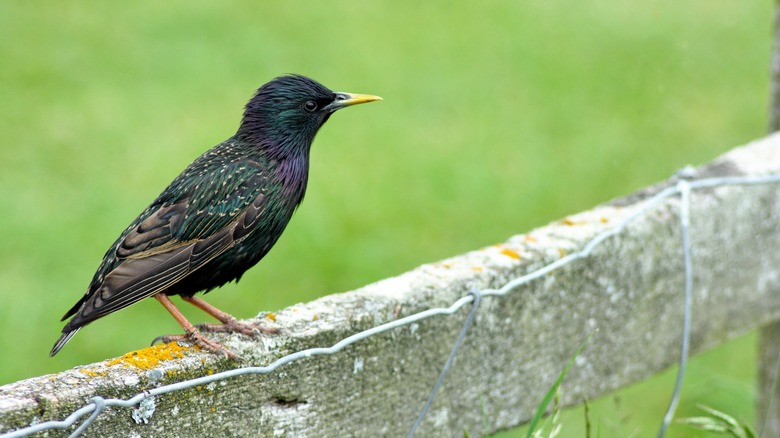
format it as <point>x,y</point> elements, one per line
<point>499,116</point>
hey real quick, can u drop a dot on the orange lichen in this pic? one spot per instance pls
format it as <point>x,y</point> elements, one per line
<point>150,357</point>
<point>509,253</point>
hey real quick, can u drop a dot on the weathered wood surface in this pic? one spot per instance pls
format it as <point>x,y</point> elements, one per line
<point>629,292</point>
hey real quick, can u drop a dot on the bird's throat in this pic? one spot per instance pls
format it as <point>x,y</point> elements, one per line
<point>294,175</point>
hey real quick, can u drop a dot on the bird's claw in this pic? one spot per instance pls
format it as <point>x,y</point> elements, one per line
<point>250,329</point>
<point>162,338</point>
<point>201,341</point>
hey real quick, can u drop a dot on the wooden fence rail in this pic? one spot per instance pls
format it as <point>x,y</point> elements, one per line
<point>628,292</point>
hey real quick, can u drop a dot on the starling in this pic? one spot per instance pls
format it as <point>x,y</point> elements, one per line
<point>219,217</point>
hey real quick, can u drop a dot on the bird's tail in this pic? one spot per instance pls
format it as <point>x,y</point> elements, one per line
<point>62,341</point>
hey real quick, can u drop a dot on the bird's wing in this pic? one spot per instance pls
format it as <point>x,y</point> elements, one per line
<point>204,212</point>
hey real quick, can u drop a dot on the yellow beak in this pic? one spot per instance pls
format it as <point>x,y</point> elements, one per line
<point>349,99</point>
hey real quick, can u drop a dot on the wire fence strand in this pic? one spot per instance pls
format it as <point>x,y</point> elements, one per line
<point>98,404</point>
<point>685,223</point>
<point>447,365</point>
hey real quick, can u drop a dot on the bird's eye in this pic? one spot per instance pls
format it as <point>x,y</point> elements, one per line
<point>310,106</point>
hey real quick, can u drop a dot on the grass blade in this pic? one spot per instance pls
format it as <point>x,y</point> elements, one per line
<point>551,392</point>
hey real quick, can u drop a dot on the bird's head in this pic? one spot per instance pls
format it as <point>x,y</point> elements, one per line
<point>286,113</point>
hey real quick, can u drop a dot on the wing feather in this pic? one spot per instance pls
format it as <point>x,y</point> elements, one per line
<point>199,216</point>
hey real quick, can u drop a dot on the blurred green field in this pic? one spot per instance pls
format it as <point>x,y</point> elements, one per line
<point>498,117</point>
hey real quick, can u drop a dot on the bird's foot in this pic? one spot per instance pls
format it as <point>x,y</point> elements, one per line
<point>232,325</point>
<point>201,341</point>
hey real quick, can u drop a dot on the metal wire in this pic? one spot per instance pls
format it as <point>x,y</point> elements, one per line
<point>685,222</point>
<point>458,342</point>
<point>98,404</point>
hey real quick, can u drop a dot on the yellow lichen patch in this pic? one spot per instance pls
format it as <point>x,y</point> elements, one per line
<point>604,220</point>
<point>477,268</point>
<point>93,373</point>
<point>562,252</point>
<point>150,357</point>
<point>271,316</point>
<point>315,317</point>
<point>210,372</point>
<point>572,222</point>
<point>509,253</point>
<point>213,409</point>
<point>530,238</point>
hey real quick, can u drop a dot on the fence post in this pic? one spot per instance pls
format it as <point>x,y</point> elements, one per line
<point>768,395</point>
<point>767,417</point>
<point>774,87</point>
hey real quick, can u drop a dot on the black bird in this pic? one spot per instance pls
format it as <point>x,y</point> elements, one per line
<point>219,217</point>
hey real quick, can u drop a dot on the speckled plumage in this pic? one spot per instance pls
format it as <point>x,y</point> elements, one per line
<point>224,212</point>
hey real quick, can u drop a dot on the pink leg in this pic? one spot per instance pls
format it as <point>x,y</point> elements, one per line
<point>229,323</point>
<point>191,333</point>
